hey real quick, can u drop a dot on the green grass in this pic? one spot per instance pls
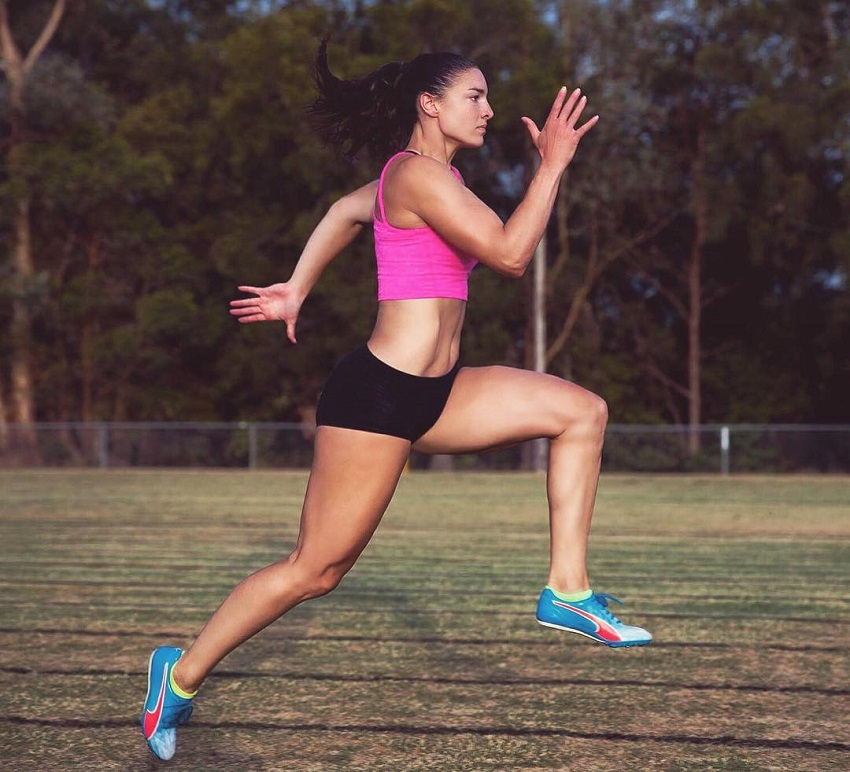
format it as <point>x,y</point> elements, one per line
<point>743,581</point>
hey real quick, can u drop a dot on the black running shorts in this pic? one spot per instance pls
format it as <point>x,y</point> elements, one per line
<point>367,394</point>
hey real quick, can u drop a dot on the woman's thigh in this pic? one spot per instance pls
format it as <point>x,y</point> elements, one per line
<point>353,478</point>
<point>496,406</point>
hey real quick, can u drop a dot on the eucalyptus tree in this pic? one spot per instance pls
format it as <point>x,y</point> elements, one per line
<point>792,168</point>
<point>753,138</point>
<point>18,66</point>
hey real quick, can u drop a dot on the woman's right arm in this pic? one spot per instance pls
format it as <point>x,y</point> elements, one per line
<point>336,230</point>
<point>428,190</point>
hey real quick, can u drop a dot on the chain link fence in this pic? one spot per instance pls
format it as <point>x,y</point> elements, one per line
<point>736,448</point>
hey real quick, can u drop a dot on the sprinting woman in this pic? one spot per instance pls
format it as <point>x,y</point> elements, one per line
<point>404,389</point>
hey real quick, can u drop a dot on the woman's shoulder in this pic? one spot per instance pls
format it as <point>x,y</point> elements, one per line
<point>419,171</point>
<point>418,186</point>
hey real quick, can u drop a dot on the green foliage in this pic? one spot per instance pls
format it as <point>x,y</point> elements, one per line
<point>169,160</point>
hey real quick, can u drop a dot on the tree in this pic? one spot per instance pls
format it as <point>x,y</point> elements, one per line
<point>610,204</point>
<point>753,102</point>
<point>698,256</point>
<point>18,68</point>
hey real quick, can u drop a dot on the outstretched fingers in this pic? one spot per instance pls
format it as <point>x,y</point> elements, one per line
<point>576,111</point>
<point>532,129</point>
<point>245,318</point>
<point>246,310</point>
<point>555,112</point>
<point>573,117</point>
<point>277,302</point>
<point>567,109</point>
<point>564,114</point>
<point>587,126</point>
<point>558,104</point>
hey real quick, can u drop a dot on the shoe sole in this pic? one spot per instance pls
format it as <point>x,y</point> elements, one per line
<point>609,644</point>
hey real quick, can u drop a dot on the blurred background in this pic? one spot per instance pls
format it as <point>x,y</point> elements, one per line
<point>155,154</point>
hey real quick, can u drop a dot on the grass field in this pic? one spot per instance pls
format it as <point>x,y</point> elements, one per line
<point>743,581</point>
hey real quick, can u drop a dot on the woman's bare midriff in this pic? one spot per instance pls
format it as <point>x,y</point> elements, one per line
<point>420,337</point>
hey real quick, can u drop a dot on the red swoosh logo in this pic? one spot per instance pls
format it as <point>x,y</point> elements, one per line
<point>152,716</point>
<point>603,629</point>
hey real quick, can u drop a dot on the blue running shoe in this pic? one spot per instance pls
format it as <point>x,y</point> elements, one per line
<point>164,710</point>
<point>590,618</point>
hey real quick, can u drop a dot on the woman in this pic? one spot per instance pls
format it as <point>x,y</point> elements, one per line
<point>404,388</point>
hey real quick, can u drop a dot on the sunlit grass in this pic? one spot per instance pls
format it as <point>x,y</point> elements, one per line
<point>428,656</point>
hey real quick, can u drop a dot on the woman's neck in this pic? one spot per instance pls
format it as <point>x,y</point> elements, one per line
<point>439,148</point>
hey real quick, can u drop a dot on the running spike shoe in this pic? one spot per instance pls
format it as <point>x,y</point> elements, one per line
<point>164,710</point>
<point>590,618</point>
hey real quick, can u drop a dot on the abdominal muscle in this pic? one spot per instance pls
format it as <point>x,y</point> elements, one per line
<point>421,336</point>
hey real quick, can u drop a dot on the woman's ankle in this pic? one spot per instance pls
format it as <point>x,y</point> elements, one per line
<point>182,680</point>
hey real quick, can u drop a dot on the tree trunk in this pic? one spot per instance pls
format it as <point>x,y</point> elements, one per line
<point>540,446</point>
<point>22,387</point>
<point>23,400</point>
<point>17,68</point>
<point>695,296</point>
<point>89,331</point>
<point>4,426</point>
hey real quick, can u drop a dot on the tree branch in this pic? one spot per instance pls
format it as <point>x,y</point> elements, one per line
<point>570,322</point>
<point>657,373</point>
<point>648,365</point>
<point>8,49</point>
<point>594,269</point>
<point>45,36</point>
<point>625,247</point>
<point>671,297</point>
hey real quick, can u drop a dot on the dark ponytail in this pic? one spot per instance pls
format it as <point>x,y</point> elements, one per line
<point>378,111</point>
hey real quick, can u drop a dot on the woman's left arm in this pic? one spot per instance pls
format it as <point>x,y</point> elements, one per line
<point>336,230</point>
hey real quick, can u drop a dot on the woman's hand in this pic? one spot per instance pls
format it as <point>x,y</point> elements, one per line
<point>559,138</point>
<point>275,303</point>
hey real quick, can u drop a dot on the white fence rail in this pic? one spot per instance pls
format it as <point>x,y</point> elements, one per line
<point>723,449</point>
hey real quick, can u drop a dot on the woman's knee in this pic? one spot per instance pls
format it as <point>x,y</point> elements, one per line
<point>313,579</point>
<point>598,412</point>
<point>582,412</point>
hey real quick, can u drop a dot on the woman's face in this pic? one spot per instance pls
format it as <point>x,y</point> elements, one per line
<point>463,111</point>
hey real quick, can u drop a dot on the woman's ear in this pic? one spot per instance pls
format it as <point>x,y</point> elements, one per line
<point>428,104</point>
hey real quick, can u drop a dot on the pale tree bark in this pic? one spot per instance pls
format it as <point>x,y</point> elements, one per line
<point>17,68</point>
<point>695,304</point>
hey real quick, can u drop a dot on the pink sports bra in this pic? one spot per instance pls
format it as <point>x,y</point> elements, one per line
<point>416,262</point>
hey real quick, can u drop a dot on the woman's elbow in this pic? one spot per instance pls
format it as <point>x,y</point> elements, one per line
<point>500,256</point>
<point>355,208</point>
<point>512,266</point>
<point>517,270</point>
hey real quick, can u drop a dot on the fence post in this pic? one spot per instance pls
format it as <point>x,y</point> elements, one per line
<point>252,446</point>
<point>103,445</point>
<point>724,451</point>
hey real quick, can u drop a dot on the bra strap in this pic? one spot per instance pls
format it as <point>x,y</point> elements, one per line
<point>381,182</point>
